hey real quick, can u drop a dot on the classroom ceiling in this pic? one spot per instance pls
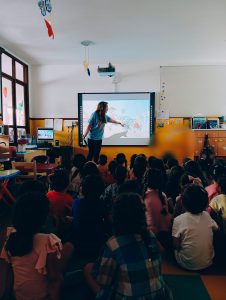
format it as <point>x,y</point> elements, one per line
<point>164,32</point>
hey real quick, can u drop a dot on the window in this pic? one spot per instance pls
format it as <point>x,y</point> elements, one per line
<point>14,94</point>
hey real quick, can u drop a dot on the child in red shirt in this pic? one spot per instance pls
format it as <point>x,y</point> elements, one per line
<point>60,201</point>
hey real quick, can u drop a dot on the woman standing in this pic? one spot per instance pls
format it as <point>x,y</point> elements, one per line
<point>95,130</point>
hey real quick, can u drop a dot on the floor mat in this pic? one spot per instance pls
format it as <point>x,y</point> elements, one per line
<point>187,287</point>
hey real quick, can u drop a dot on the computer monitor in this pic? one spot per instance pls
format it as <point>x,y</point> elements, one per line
<point>45,135</point>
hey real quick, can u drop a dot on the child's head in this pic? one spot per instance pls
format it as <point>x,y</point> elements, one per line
<point>130,186</point>
<point>32,186</point>
<point>172,162</point>
<point>121,159</point>
<point>132,160</point>
<point>78,161</point>
<point>92,187</point>
<point>218,171</point>
<point>192,168</point>
<point>103,159</point>
<point>30,215</point>
<point>90,168</point>
<point>151,160</point>
<point>176,172</point>
<point>120,174</point>
<point>112,166</point>
<point>222,184</point>
<point>184,180</point>
<point>194,199</point>
<point>157,163</point>
<point>166,157</point>
<point>139,166</point>
<point>59,181</point>
<point>128,214</point>
<point>155,179</point>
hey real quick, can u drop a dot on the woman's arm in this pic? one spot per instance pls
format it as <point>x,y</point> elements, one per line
<point>87,131</point>
<point>116,122</point>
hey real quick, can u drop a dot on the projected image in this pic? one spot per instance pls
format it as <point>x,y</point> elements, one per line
<point>136,114</point>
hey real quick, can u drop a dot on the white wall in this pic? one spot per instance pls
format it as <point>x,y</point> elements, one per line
<point>54,88</point>
<point>189,90</point>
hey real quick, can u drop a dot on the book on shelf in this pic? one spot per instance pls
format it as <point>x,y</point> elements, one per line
<point>199,123</point>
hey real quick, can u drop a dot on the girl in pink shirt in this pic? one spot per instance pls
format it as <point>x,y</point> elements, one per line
<point>157,214</point>
<point>37,259</point>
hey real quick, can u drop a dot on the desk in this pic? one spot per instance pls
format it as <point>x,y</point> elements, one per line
<point>41,168</point>
<point>29,154</point>
<point>5,176</point>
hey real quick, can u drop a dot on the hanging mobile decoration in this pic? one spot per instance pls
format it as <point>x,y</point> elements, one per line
<point>46,9</point>
<point>86,44</point>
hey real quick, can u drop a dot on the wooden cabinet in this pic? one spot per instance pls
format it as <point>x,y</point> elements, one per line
<point>217,139</point>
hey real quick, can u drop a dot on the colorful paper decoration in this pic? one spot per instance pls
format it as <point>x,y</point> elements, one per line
<point>86,66</point>
<point>46,9</point>
<point>86,44</point>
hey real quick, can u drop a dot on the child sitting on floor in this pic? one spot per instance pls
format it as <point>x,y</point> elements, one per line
<point>193,231</point>
<point>60,200</point>
<point>111,191</point>
<point>88,217</point>
<point>217,171</point>
<point>129,266</point>
<point>38,260</point>
<point>102,166</point>
<point>76,174</point>
<point>218,203</point>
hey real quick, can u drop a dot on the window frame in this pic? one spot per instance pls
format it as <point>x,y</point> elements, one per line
<point>15,81</point>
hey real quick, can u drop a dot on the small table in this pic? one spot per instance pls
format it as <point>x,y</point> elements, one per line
<point>5,176</point>
<point>41,168</point>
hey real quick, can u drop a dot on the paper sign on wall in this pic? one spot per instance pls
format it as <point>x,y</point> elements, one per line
<point>58,124</point>
<point>48,123</point>
<point>68,123</point>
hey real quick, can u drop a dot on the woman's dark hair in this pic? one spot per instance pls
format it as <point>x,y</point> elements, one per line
<point>78,161</point>
<point>90,168</point>
<point>59,181</point>
<point>130,186</point>
<point>155,182</point>
<point>92,187</point>
<point>129,218</point>
<point>121,159</point>
<point>120,174</point>
<point>112,166</point>
<point>222,184</point>
<point>132,159</point>
<point>30,215</point>
<point>103,159</point>
<point>32,186</point>
<point>194,198</point>
<point>101,110</point>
